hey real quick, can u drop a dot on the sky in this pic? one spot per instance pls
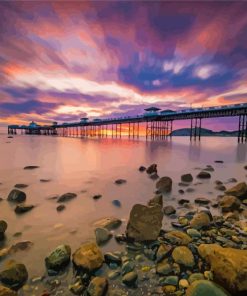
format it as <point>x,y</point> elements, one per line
<point>60,61</point>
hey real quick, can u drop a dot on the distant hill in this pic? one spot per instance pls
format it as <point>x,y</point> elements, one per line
<point>205,132</point>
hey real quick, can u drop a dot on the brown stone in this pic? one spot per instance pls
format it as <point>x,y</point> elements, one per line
<point>164,184</point>
<point>4,291</point>
<point>239,190</point>
<point>229,203</point>
<point>200,220</point>
<point>178,237</point>
<point>183,255</point>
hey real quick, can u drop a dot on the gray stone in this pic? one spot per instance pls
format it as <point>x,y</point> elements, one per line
<point>66,197</point>
<point>187,178</point>
<point>21,209</point>
<point>169,210</point>
<point>17,196</point>
<point>164,184</point>
<point>58,259</point>
<point>152,169</point>
<point>109,223</point>
<point>14,275</point>
<point>130,278</point>
<point>102,235</point>
<point>203,175</point>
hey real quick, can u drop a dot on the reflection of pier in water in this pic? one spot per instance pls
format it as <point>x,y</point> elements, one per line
<point>158,124</point>
<point>241,152</point>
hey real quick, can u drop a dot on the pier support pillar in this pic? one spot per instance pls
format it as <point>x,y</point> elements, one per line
<point>195,128</point>
<point>242,128</point>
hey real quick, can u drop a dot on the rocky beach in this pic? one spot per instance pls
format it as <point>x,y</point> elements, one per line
<point>201,249</point>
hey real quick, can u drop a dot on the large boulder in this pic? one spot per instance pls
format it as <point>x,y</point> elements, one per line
<point>3,227</point>
<point>183,255</point>
<point>229,203</point>
<point>88,257</point>
<point>97,287</point>
<point>58,259</point>
<point>205,288</point>
<point>145,222</point>
<point>164,184</point>
<point>16,195</point>
<point>200,220</point>
<point>109,223</point>
<point>14,275</point>
<point>239,190</point>
<point>228,265</point>
<point>4,291</point>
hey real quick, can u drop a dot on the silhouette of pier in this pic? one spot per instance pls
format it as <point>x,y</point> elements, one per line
<point>158,124</point>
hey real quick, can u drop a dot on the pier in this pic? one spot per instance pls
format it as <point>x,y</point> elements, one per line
<point>158,124</point>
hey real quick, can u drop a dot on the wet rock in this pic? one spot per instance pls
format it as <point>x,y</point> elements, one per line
<point>239,190</point>
<point>195,277</point>
<point>3,227</point>
<point>203,175</point>
<point>154,176</point>
<point>162,252</point>
<point>109,223</point>
<point>168,210</point>
<point>181,191</point>
<point>112,275</point>
<point>127,267</point>
<point>21,209</point>
<point>183,201</point>
<point>97,196</point>
<point>228,265</point>
<point>178,237</point>
<point>187,178</point>
<point>60,208</point>
<point>142,168</point>
<point>116,203</point>
<point>45,180</point>
<point>193,233</point>
<point>4,291</point>
<point>97,287</point>
<point>229,203</point>
<point>164,184</point>
<point>164,267</point>
<point>183,184</point>
<point>205,288</point>
<point>200,220</point>
<point>190,190</point>
<point>129,279</point>
<point>66,197</point>
<point>120,181</point>
<point>220,187</point>
<point>209,169</point>
<point>112,258</point>
<point>219,161</point>
<point>20,186</point>
<point>102,235</point>
<point>169,290</point>
<point>144,223</point>
<point>156,200</point>
<point>14,275</point>
<point>17,196</point>
<point>58,259</point>
<point>152,169</point>
<point>31,167</point>
<point>170,280</point>
<point>20,246</point>
<point>88,257</point>
<point>232,180</point>
<point>202,201</point>
<point>183,255</point>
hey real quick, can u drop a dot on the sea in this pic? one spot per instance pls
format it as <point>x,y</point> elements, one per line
<point>90,166</point>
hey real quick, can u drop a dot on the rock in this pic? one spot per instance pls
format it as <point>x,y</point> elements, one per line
<point>116,203</point>
<point>193,233</point>
<point>19,186</point>
<point>187,178</point>
<point>23,245</point>
<point>152,169</point>
<point>112,258</point>
<point>3,227</point>
<point>203,175</point>
<point>183,284</point>
<point>31,167</point>
<point>200,220</point>
<point>162,252</point>
<point>190,190</point>
<point>17,196</point>
<point>181,191</point>
<point>219,161</point>
<point>142,169</point>
<point>109,223</point>
<point>178,237</point>
<point>120,181</point>
<point>60,208</point>
<point>205,288</point>
<point>130,278</point>
<point>232,180</point>
<point>229,203</point>
<point>164,267</point>
<point>102,235</point>
<point>202,201</point>
<point>58,259</point>
<point>97,196</point>
<point>209,169</point>
<point>220,187</point>
<point>144,223</point>
<point>127,267</point>
<point>4,291</point>
<point>88,257</point>
<point>170,280</point>
<point>228,265</point>
<point>164,184</point>
<point>156,200</point>
<point>20,209</point>
<point>112,275</point>
<point>66,197</point>
<point>154,176</point>
<point>239,190</point>
<point>183,255</point>
<point>168,210</point>
<point>183,184</point>
<point>183,201</point>
<point>44,180</point>
<point>169,290</point>
<point>97,287</point>
<point>14,275</point>
<point>195,277</point>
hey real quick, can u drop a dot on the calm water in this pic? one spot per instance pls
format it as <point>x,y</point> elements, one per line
<point>89,167</point>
